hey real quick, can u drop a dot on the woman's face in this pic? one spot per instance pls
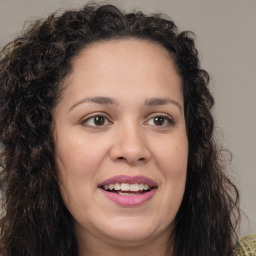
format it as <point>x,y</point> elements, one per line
<point>121,142</point>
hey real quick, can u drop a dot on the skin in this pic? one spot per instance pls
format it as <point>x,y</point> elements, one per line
<point>128,142</point>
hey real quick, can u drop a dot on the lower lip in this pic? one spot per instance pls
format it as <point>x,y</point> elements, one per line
<point>129,201</point>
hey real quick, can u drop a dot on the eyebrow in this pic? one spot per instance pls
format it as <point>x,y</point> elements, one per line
<point>161,101</point>
<point>110,101</point>
<point>98,100</point>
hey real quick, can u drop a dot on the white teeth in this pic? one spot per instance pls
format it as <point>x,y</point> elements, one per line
<point>127,187</point>
<point>117,186</point>
<point>141,186</point>
<point>128,194</point>
<point>134,187</point>
<point>146,187</point>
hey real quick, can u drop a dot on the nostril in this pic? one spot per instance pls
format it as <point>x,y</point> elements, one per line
<point>142,159</point>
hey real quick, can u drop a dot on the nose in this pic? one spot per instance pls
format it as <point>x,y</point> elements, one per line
<point>130,146</point>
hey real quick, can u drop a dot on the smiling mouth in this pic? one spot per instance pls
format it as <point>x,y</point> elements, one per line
<point>127,189</point>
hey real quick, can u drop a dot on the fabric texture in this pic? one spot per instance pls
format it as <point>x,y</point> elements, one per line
<point>246,246</point>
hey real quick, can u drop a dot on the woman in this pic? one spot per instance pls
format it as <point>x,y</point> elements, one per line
<point>108,145</point>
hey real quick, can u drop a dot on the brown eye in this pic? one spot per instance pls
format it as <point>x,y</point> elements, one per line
<point>94,121</point>
<point>159,120</point>
<point>99,120</point>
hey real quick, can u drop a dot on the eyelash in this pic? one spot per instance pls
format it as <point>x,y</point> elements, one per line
<point>170,120</point>
<point>85,121</point>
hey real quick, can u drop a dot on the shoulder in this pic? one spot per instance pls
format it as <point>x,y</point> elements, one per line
<point>246,246</point>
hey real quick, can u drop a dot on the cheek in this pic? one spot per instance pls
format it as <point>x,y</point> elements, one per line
<point>76,167</point>
<point>172,156</point>
<point>78,161</point>
<point>172,162</point>
<point>79,156</point>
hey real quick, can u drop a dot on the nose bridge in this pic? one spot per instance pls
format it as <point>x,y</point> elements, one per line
<point>130,144</point>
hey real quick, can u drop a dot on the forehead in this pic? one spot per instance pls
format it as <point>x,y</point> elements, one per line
<point>125,44</point>
<point>106,67</point>
<point>126,50</point>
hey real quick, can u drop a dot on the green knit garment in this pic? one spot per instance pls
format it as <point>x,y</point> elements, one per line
<point>246,246</point>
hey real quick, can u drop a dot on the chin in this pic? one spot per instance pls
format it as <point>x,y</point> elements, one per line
<point>131,232</point>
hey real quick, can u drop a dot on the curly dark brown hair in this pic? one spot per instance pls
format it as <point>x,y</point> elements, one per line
<point>32,67</point>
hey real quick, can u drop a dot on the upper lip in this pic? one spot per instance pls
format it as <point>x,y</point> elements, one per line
<point>129,180</point>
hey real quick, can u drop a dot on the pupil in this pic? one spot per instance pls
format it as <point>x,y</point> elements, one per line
<point>159,120</point>
<point>99,120</point>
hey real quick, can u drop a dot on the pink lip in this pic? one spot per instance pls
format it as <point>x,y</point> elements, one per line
<point>129,201</point>
<point>133,200</point>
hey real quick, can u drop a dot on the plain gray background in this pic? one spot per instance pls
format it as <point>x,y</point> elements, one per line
<point>226,39</point>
